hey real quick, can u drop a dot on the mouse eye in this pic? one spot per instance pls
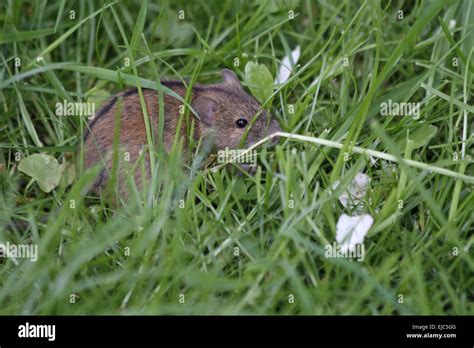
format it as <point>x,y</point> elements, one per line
<point>241,123</point>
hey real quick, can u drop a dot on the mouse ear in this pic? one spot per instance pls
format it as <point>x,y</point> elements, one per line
<point>230,78</point>
<point>206,109</point>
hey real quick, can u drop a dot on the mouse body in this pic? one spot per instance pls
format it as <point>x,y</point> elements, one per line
<point>225,111</point>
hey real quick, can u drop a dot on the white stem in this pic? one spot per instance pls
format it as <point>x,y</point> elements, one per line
<point>355,149</point>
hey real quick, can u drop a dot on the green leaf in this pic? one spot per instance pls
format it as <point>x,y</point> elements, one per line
<point>174,32</point>
<point>420,137</point>
<point>181,34</point>
<point>68,177</point>
<point>139,25</point>
<point>43,168</point>
<point>60,14</point>
<point>260,81</point>
<point>18,36</point>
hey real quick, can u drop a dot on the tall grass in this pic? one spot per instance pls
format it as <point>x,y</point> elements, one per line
<point>200,241</point>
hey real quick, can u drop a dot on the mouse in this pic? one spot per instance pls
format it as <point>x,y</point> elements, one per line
<point>224,112</point>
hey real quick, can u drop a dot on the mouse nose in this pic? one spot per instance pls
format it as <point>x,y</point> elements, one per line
<point>275,140</point>
<point>274,127</point>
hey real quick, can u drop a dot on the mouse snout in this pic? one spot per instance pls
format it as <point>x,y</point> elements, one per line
<point>274,127</point>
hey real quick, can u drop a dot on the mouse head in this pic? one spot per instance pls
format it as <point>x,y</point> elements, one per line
<point>227,112</point>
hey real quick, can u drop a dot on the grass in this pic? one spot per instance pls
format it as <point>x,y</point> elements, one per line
<point>204,241</point>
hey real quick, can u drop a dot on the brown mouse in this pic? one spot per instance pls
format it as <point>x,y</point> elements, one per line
<point>225,111</point>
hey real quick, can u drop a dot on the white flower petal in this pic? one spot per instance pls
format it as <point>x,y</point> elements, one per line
<point>287,66</point>
<point>351,230</point>
<point>356,191</point>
